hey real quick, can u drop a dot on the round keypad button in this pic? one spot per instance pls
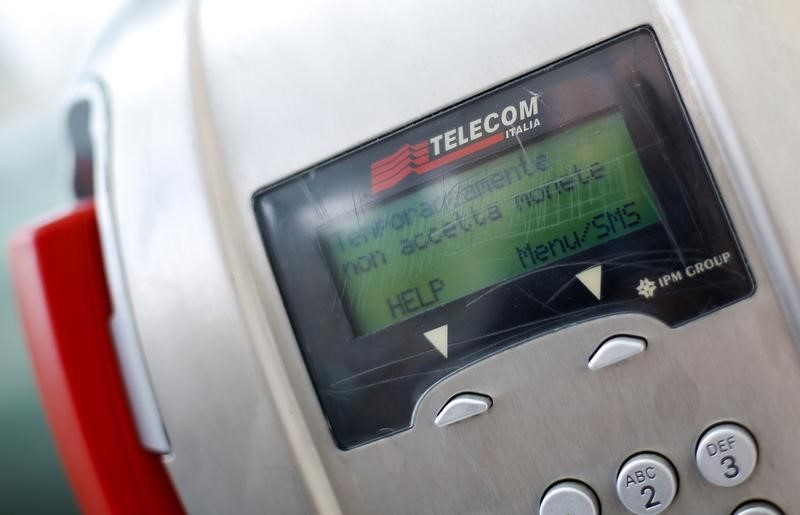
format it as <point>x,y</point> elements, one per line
<point>726,455</point>
<point>757,508</point>
<point>647,483</point>
<point>569,497</point>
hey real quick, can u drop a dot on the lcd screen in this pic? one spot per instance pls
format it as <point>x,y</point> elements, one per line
<point>572,192</point>
<point>526,208</point>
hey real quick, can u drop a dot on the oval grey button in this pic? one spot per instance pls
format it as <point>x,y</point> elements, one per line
<point>647,483</point>
<point>726,455</point>
<point>569,498</point>
<point>757,508</point>
<point>616,349</point>
<point>462,406</point>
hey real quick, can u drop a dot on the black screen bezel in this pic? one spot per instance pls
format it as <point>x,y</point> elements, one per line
<point>369,386</point>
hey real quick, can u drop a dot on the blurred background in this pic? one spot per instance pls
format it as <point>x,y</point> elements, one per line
<point>43,47</point>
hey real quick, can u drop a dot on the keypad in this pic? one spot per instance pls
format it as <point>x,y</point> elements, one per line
<point>726,455</point>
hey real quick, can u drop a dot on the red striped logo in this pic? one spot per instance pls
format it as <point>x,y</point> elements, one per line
<point>415,159</point>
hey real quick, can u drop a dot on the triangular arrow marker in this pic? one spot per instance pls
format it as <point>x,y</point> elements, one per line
<point>592,278</point>
<point>438,337</point>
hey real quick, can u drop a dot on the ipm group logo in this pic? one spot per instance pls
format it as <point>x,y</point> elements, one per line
<point>454,144</point>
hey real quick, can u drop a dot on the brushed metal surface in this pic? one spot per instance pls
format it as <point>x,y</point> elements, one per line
<point>138,387</point>
<point>759,170</point>
<point>230,453</point>
<point>212,101</point>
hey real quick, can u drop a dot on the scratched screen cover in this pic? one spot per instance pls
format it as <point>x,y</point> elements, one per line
<point>574,192</point>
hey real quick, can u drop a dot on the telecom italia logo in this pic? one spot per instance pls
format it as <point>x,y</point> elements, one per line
<point>447,147</point>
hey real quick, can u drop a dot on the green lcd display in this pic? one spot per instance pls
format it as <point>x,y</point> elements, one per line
<point>489,222</point>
